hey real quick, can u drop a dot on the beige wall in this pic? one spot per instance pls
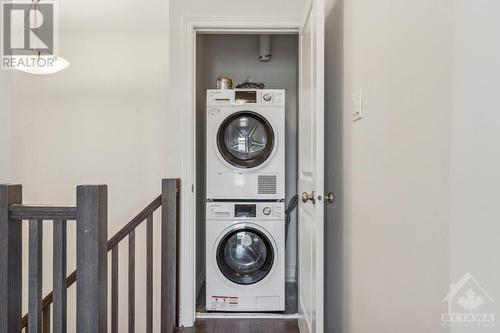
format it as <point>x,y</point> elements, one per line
<point>103,120</point>
<point>5,112</point>
<point>418,200</point>
<point>475,142</point>
<point>394,216</point>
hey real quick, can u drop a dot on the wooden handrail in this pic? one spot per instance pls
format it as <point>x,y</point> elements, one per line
<point>38,212</point>
<point>125,231</point>
<point>119,236</point>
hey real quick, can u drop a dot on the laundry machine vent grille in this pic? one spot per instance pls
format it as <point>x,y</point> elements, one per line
<point>267,184</point>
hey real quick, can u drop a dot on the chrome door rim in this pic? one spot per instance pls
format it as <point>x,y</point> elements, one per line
<point>245,276</point>
<point>230,156</point>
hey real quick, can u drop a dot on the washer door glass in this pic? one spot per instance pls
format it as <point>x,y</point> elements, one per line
<point>245,256</point>
<point>245,139</point>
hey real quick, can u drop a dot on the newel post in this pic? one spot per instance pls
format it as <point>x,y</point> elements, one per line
<point>91,258</point>
<point>10,261</point>
<point>169,254</point>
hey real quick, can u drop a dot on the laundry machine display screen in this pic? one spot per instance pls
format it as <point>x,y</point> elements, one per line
<point>245,97</point>
<point>245,211</point>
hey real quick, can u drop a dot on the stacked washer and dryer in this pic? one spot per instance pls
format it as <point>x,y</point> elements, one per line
<point>245,211</point>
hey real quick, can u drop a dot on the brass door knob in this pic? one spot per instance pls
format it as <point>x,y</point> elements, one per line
<point>309,197</point>
<point>330,197</point>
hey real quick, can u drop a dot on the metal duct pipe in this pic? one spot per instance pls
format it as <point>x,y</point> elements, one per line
<point>264,47</point>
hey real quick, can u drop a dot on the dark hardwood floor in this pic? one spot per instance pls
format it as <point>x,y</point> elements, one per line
<point>242,326</point>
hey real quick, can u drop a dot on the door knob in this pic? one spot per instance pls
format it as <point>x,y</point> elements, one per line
<point>330,197</point>
<point>309,197</point>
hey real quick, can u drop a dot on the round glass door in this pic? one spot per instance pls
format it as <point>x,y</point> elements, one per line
<point>245,139</point>
<point>245,256</point>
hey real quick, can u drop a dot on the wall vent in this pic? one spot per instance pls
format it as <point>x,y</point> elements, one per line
<point>267,184</point>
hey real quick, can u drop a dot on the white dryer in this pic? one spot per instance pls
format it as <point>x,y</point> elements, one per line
<point>246,144</point>
<point>245,256</point>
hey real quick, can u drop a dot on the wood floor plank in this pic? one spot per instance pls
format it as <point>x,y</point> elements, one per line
<point>201,326</point>
<point>284,326</point>
<point>292,326</point>
<point>244,325</point>
<point>208,326</point>
<point>256,326</point>
<point>268,326</point>
<point>225,326</point>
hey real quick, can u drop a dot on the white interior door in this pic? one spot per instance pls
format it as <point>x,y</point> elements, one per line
<point>311,169</point>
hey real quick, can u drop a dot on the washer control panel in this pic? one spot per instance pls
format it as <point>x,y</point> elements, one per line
<point>236,97</point>
<point>245,210</point>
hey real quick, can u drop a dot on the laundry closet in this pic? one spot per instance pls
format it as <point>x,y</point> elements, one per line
<point>246,173</point>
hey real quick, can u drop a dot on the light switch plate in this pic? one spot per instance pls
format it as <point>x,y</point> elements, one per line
<point>358,105</point>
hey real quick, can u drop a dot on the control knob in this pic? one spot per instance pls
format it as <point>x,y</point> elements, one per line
<point>266,210</point>
<point>267,97</point>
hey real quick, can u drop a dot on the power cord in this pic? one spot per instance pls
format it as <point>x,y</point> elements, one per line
<point>292,204</point>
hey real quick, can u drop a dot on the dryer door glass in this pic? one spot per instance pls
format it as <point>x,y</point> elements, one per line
<point>245,139</point>
<point>245,256</point>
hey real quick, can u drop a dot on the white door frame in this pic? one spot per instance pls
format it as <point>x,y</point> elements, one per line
<point>191,27</point>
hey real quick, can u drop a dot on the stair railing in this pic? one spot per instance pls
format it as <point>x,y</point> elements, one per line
<point>90,214</point>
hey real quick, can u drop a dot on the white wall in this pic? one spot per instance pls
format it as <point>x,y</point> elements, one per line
<point>475,142</point>
<point>419,203</point>
<point>396,199</point>
<point>103,120</point>
<point>236,56</point>
<point>5,113</point>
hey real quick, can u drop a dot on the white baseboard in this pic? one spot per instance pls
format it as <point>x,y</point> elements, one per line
<point>290,273</point>
<point>251,315</point>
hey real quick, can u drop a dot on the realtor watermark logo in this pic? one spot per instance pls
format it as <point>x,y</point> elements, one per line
<point>469,305</point>
<point>29,34</point>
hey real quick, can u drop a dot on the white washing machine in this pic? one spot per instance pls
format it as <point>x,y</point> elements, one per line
<point>246,144</point>
<point>245,256</point>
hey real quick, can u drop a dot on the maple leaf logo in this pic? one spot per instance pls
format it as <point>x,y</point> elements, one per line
<point>470,301</point>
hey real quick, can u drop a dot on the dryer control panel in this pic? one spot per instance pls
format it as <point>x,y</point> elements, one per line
<point>235,97</point>
<point>245,210</point>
